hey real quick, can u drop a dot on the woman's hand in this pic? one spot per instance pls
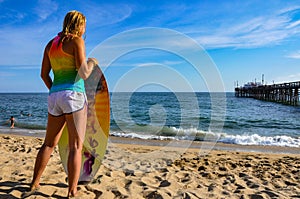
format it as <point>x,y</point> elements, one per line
<point>92,60</point>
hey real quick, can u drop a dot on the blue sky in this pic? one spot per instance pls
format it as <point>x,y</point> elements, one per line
<point>244,40</point>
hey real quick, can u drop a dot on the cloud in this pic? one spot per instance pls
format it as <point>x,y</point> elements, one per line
<point>294,55</point>
<point>45,8</point>
<point>106,14</point>
<point>147,64</point>
<point>149,43</point>
<point>249,26</point>
<point>24,45</point>
<point>294,24</point>
<point>163,63</point>
<point>288,78</point>
<point>11,16</point>
<point>249,31</point>
<point>27,32</point>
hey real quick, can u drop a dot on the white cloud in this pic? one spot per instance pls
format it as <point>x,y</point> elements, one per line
<point>260,31</point>
<point>162,63</point>
<point>294,24</point>
<point>11,16</point>
<point>288,78</point>
<point>24,45</point>
<point>45,8</point>
<point>148,64</point>
<point>106,14</point>
<point>294,55</point>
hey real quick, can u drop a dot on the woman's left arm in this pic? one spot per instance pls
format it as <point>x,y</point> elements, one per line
<point>46,67</point>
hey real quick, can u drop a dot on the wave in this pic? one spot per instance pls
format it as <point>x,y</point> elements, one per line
<point>193,134</point>
<point>148,132</point>
<point>255,139</point>
<point>30,126</point>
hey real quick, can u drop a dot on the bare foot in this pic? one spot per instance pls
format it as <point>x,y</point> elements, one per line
<point>33,190</point>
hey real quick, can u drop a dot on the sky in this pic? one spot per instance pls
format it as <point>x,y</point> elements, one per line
<point>205,45</point>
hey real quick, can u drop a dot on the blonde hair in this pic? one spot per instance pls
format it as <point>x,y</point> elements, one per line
<point>72,24</point>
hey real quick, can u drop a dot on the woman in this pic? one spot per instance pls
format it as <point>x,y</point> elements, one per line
<point>67,104</point>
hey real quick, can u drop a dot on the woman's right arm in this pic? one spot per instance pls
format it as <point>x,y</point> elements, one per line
<point>84,67</point>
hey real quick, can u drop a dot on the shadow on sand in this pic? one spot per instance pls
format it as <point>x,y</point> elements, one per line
<point>7,187</point>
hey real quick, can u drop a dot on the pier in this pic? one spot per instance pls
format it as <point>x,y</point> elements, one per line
<point>285,93</point>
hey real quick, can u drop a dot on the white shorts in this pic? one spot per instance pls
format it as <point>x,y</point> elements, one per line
<point>65,102</point>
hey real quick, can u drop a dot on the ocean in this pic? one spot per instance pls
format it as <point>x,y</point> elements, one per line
<point>172,116</point>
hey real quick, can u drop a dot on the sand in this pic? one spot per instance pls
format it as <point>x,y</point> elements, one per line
<point>147,171</point>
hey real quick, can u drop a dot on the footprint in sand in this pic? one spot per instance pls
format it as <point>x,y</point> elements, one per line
<point>152,195</point>
<point>151,182</point>
<point>183,177</point>
<point>95,191</point>
<point>255,196</point>
<point>118,194</point>
<point>140,183</point>
<point>164,183</point>
<point>252,185</point>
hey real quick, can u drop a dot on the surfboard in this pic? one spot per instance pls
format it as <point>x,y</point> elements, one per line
<point>97,129</point>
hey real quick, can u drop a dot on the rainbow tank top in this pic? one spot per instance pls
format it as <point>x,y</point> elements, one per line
<point>64,69</point>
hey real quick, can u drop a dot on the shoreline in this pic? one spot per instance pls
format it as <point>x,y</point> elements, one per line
<point>201,145</point>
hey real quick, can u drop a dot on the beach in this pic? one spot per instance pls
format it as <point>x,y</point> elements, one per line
<point>158,169</point>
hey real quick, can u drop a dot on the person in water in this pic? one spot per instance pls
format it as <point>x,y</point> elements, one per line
<point>12,122</point>
<point>67,103</point>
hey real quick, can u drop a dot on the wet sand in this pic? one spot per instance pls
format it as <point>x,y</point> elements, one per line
<point>135,169</point>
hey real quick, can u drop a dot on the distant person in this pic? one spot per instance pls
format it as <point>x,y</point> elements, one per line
<point>26,114</point>
<point>67,103</point>
<point>12,122</point>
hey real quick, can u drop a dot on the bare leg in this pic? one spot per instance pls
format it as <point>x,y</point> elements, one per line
<point>53,133</point>
<point>76,123</point>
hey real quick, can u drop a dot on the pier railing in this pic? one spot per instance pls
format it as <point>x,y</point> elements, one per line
<point>286,93</point>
